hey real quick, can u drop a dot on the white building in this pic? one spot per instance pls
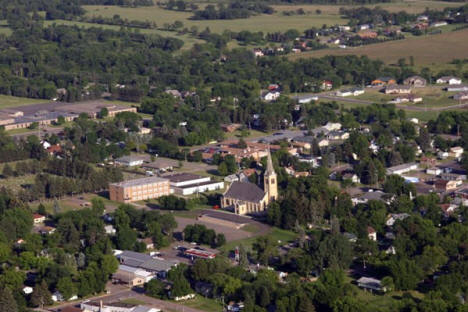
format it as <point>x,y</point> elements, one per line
<point>434,171</point>
<point>401,169</point>
<point>449,80</point>
<point>188,183</point>
<point>331,126</point>
<point>271,96</point>
<point>394,217</point>
<point>456,151</point>
<point>130,161</point>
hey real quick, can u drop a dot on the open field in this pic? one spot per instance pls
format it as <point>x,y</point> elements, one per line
<point>203,304</point>
<point>265,23</point>
<point>13,101</point>
<point>426,50</point>
<point>279,235</point>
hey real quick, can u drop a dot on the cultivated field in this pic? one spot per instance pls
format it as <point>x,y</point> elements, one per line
<point>426,50</point>
<point>265,23</point>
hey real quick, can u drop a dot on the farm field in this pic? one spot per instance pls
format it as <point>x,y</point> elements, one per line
<point>426,50</point>
<point>265,23</point>
<point>14,101</point>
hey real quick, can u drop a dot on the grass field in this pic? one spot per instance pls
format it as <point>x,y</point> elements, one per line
<point>279,235</point>
<point>203,304</point>
<point>13,101</point>
<point>265,23</point>
<point>426,50</point>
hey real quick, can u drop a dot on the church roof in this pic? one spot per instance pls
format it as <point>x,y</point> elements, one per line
<point>245,191</point>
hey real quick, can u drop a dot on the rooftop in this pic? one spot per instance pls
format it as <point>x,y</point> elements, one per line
<point>245,191</point>
<point>141,181</point>
<point>183,177</point>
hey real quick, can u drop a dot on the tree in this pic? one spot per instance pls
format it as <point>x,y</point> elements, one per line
<point>180,285</point>
<point>388,284</point>
<point>7,171</point>
<point>155,288</point>
<point>103,113</point>
<point>265,247</point>
<point>7,301</point>
<point>220,239</point>
<point>424,140</point>
<point>41,295</point>
<point>56,207</point>
<point>66,287</point>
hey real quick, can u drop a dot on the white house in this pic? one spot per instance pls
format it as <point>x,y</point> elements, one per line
<point>371,233</point>
<point>370,283</point>
<point>439,24</point>
<point>271,96</point>
<point>434,171</point>
<point>456,152</point>
<point>457,88</point>
<point>27,290</point>
<point>109,229</point>
<point>442,154</point>
<point>330,126</point>
<point>401,169</point>
<point>307,99</point>
<point>323,142</point>
<point>449,80</point>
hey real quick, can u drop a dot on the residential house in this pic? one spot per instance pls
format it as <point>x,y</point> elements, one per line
<point>449,80</point>
<point>434,171</point>
<point>398,89</point>
<point>392,218</point>
<point>456,152</point>
<point>462,96</point>
<point>331,126</point>
<point>444,185</point>
<point>323,142</point>
<point>271,96</point>
<point>54,149</point>
<point>372,195</point>
<point>147,241</point>
<point>457,88</point>
<point>371,284</point>
<point>110,230</point>
<point>371,233</point>
<point>442,154</point>
<point>230,127</point>
<point>405,98</point>
<point>415,81</point>
<point>307,99</point>
<point>448,209</point>
<point>401,169</point>
<point>38,218</point>
<point>326,85</point>
<point>352,238</point>
<point>338,135</point>
<point>382,81</point>
<point>349,92</point>
<point>452,176</point>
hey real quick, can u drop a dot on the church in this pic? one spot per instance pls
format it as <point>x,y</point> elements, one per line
<point>248,198</point>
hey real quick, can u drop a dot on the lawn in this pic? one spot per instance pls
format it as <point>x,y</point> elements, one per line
<point>426,50</point>
<point>278,235</point>
<point>265,23</point>
<point>14,101</point>
<point>203,304</point>
<point>16,183</point>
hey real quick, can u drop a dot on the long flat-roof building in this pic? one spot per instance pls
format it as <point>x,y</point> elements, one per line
<point>139,189</point>
<point>189,183</point>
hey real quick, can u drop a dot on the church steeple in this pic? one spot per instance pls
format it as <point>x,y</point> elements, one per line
<point>270,185</point>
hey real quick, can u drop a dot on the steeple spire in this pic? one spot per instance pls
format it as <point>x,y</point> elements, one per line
<point>269,170</point>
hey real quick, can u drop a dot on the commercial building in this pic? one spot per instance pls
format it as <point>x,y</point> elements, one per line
<point>404,168</point>
<point>197,253</point>
<point>139,189</point>
<point>130,161</point>
<point>145,262</point>
<point>188,183</point>
<point>132,276</point>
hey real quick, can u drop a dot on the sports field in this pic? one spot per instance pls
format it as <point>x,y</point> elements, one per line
<point>426,50</point>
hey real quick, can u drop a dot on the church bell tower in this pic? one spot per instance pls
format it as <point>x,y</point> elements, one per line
<point>270,182</point>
